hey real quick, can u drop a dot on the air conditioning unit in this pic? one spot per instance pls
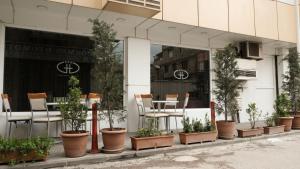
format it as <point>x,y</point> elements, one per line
<point>247,69</point>
<point>250,50</point>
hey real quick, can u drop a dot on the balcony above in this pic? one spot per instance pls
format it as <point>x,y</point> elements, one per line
<point>143,8</point>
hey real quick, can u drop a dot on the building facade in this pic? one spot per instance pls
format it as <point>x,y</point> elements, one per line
<point>42,42</point>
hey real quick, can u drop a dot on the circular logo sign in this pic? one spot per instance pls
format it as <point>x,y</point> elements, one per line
<point>181,74</point>
<point>67,67</point>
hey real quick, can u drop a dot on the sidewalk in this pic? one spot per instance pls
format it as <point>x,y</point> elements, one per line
<point>57,158</point>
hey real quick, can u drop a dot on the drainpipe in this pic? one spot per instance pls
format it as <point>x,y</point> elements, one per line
<point>298,26</point>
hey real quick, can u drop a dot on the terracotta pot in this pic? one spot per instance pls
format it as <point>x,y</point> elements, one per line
<point>187,138</point>
<point>250,132</point>
<point>6,157</point>
<point>274,130</point>
<point>287,121</point>
<point>139,143</point>
<point>296,122</point>
<point>226,129</point>
<point>74,143</point>
<point>113,140</point>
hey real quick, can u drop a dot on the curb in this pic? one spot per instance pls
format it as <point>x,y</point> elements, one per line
<point>128,154</point>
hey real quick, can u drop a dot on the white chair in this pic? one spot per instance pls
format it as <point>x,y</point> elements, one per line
<point>92,98</point>
<point>13,119</point>
<point>139,103</point>
<point>176,113</point>
<point>38,103</point>
<point>149,109</point>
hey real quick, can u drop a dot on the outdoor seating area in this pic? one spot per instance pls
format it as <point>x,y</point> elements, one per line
<point>44,112</point>
<point>149,108</point>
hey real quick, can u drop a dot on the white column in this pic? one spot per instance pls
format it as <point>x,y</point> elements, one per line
<point>2,47</point>
<point>137,77</point>
<point>2,44</point>
<point>298,25</point>
<point>282,67</point>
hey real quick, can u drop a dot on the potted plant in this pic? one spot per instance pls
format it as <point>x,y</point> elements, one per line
<point>74,115</point>
<point>291,84</point>
<point>226,89</point>
<point>254,115</point>
<point>13,151</point>
<point>196,132</point>
<point>271,127</point>
<point>107,75</point>
<point>151,137</point>
<point>283,107</point>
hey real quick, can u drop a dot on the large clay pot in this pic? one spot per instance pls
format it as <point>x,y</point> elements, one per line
<point>287,121</point>
<point>226,129</point>
<point>114,140</point>
<point>74,143</point>
<point>296,122</point>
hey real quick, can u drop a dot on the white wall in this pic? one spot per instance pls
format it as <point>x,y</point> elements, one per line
<point>137,75</point>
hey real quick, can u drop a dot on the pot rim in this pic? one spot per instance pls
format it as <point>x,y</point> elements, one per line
<point>63,134</point>
<point>118,131</point>
<point>153,137</point>
<point>195,133</point>
<point>223,121</point>
<point>291,117</point>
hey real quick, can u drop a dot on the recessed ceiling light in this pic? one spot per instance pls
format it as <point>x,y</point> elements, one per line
<point>171,27</point>
<point>42,7</point>
<point>120,20</point>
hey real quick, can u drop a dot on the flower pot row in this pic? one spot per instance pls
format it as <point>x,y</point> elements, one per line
<point>16,156</point>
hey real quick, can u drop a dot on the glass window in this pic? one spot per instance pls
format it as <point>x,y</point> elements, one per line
<point>180,70</point>
<point>37,61</point>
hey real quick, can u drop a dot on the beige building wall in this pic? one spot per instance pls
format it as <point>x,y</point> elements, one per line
<point>262,18</point>
<point>213,14</point>
<point>266,19</point>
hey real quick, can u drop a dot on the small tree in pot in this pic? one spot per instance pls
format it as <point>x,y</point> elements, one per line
<point>74,114</point>
<point>227,85</point>
<point>283,108</point>
<point>107,74</point>
<point>291,84</point>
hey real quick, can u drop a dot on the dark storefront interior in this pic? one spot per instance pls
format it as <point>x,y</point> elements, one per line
<point>37,61</point>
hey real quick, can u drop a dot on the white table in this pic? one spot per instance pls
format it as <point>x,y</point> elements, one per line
<point>159,102</point>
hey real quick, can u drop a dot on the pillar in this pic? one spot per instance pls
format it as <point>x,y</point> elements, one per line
<point>137,77</point>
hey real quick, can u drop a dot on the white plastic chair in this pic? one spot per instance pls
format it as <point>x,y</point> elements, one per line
<point>10,118</point>
<point>38,103</point>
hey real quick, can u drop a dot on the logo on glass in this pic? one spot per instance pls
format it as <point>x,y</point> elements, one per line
<point>68,67</point>
<point>181,74</point>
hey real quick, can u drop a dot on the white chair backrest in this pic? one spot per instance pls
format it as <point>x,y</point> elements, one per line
<point>6,104</point>
<point>147,101</point>
<point>186,101</point>
<point>93,98</point>
<point>139,103</point>
<point>171,97</point>
<point>37,101</point>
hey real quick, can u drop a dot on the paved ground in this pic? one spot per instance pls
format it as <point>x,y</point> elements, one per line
<point>272,153</point>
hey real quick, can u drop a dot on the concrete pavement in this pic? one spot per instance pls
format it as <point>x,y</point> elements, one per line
<point>270,153</point>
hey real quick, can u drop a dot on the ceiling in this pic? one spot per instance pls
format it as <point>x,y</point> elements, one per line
<point>66,18</point>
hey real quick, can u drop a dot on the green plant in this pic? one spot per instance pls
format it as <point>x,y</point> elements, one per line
<point>73,112</point>
<point>227,85</point>
<point>106,72</point>
<point>197,126</point>
<point>254,114</point>
<point>187,125</point>
<point>41,146</point>
<point>282,106</point>
<point>291,83</point>
<point>270,120</point>
<point>150,131</point>
<point>208,125</point>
